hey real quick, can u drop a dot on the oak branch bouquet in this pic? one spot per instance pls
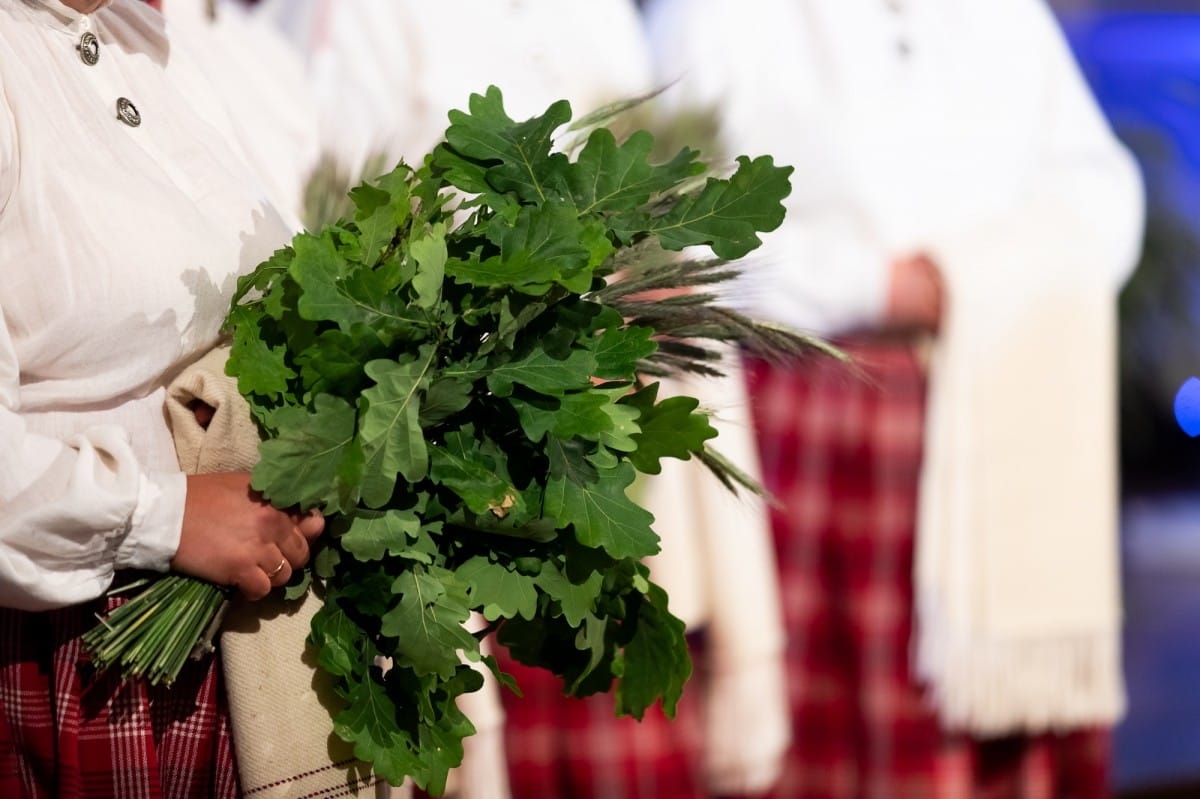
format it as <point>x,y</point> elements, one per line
<point>458,377</point>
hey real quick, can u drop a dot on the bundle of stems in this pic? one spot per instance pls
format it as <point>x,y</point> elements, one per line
<point>143,641</point>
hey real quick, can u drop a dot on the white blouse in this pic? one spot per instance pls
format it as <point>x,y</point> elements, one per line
<point>386,72</point>
<point>120,245</point>
<point>261,79</point>
<point>912,125</point>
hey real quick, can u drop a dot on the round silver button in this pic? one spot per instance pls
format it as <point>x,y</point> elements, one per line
<point>89,48</point>
<point>127,112</point>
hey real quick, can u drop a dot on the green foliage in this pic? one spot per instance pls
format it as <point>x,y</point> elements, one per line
<point>438,375</point>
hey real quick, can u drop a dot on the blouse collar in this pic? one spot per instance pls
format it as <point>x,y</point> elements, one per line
<point>57,14</point>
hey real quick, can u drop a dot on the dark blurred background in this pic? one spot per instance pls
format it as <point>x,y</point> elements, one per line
<point>1142,60</point>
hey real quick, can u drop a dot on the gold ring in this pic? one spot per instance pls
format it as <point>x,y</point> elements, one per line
<point>277,569</point>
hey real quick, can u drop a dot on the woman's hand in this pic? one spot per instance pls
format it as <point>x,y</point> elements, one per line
<point>916,294</point>
<point>231,536</point>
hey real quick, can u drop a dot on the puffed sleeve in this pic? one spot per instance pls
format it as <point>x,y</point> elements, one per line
<point>72,512</point>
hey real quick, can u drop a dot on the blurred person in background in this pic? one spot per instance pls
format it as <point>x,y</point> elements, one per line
<point>961,222</point>
<point>359,61</point>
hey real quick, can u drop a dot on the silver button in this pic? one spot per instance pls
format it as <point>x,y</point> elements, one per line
<point>89,48</point>
<point>127,112</point>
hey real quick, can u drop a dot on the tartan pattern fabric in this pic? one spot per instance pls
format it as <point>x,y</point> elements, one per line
<point>841,451</point>
<point>65,734</point>
<point>564,748</point>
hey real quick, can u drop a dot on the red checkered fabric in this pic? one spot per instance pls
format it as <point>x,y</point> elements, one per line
<point>842,451</point>
<point>564,748</point>
<point>66,735</point>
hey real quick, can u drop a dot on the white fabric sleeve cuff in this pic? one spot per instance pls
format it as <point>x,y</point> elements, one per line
<point>156,524</point>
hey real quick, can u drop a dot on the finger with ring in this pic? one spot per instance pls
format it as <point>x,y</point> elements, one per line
<point>277,569</point>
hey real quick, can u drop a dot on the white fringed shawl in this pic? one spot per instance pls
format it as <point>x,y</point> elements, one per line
<point>1017,593</point>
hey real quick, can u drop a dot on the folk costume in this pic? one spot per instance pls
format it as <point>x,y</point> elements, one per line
<point>947,534</point>
<point>127,212</point>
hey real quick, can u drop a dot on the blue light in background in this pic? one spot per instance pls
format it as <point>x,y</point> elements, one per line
<point>1187,407</point>
<point>1144,68</point>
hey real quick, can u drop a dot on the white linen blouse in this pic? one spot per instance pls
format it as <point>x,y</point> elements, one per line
<point>912,125</point>
<point>386,72</point>
<point>261,79</point>
<point>119,249</point>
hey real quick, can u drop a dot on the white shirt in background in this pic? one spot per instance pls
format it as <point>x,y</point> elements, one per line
<point>911,124</point>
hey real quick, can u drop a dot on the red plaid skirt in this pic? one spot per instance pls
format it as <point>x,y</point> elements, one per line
<point>842,453</point>
<point>67,735</point>
<point>564,748</point>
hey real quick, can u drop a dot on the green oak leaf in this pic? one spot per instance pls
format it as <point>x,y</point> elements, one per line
<point>582,414</point>
<point>671,428</point>
<point>576,600</point>
<point>312,460</point>
<point>390,430</point>
<point>319,269</point>
<point>368,595</point>
<point>464,469</point>
<point>626,422</point>
<point>443,399</point>
<point>325,562</point>
<point>514,319</point>
<point>500,592</point>
<point>441,726</point>
<point>298,586</point>
<point>369,722</point>
<point>517,155</point>
<point>598,241</point>
<point>333,362</point>
<point>265,277</point>
<point>569,460</point>
<point>656,660</point>
<point>540,371</point>
<point>381,210</point>
<point>370,535</point>
<point>332,289</point>
<point>602,514</point>
<point>619,349</point>
<point>541,246</point>
<point>728,214</point>
<point>429,251</point>
<point>589,676</point>
<point>428,621</point>
<point>609,176</point>
<point>342,645</point>
<point>260,367</point>
<point>502,677</point>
